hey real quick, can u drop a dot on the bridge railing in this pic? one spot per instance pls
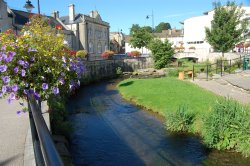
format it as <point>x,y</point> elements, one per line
<point>44,148</point>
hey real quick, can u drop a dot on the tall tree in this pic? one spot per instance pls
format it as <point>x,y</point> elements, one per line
<point>148,28</point>
<point>162,26</point>
<point>227,27</point>
<point>162,52</point>
<point>134,28</point>
<point>140,38</point>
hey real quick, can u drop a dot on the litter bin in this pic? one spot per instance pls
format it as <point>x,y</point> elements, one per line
<point>181,75</point>
<point>245,63</point>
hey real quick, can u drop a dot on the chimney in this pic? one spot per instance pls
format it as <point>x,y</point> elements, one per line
<point>71,12</point>
<point>55,14</point>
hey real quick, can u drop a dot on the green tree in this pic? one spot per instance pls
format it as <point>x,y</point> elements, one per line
<point>134,28</point>
<point>140,38</point>
<point>162,26</point>
<point>227,27</point>
<point>162,52</point>
<point>148,28</point>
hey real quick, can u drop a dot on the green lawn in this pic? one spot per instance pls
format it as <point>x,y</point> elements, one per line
<point>166,94</point>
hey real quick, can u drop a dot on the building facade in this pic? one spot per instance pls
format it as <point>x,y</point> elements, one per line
<point>194,32</point>
<point>5,19</point>
<point>91,32</point>
<point>174,36</point>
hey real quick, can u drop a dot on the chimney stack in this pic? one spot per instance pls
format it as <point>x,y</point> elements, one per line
<point>71,12</point>
<point>55,14</point>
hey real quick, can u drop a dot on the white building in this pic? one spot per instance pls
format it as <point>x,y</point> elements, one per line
<point>174,36</point>
<point>194,33</point>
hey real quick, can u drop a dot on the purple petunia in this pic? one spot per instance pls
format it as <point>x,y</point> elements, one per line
<point>37,96</point>
<point>61,80</point>
<point>11,97</point>
<point>32,50</point>
<point>4,89</point>
<point>20,62</point>
<point>45,86</point>
<point>26,64</point>
<point>10,56</point>
<point>23,73</point>
<point>16,70</point>
<point>3,68</point>
<point>55,90</point>
<point>14,87</point>
<point>32,59</point>
<point>25,91</point>
<point>3,47</point>
<point>6,79</point>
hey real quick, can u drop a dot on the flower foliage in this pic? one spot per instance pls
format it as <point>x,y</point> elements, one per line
<point>107,54</point>
<point>82,54</point>
<point>134,53</point>
<point>36,62</point>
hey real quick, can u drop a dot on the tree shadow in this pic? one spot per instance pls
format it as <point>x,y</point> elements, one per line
<point>126,83</point>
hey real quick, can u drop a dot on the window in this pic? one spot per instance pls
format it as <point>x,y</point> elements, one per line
<point>99,47</point>
<point>91,49</point>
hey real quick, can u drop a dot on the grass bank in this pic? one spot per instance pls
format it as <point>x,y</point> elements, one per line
<point>187,107</point>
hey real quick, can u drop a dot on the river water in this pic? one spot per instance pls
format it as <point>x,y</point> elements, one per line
<point>109,131</point>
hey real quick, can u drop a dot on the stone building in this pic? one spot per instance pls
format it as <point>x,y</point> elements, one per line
<point>91,32</point>
<point>16,19</point>
<point>5,20</point>
<point>117,42</point>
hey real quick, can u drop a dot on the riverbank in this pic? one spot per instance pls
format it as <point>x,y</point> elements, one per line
<point>169,96</point>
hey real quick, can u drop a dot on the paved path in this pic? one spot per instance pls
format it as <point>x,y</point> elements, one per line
<point>236,86</point>
<point>12,134</point>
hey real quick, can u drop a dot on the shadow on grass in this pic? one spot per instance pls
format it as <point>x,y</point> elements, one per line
<point>127,83</point>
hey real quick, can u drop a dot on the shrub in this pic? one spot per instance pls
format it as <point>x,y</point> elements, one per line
<point>228,127</point>
<point>179,120</point>
<point>162,52</point>
<point>106,54</point>
<point>173,73</point>
<point>134,53</point>
<point>82,54</point>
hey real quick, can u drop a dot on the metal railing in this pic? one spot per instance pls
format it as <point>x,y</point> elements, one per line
<point>221,67</point>
<point>44,147</point>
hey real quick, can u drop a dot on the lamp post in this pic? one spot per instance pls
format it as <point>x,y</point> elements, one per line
<point>29,6</point>
<point>152,16</point>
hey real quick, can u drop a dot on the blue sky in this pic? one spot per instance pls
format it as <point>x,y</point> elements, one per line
<point>122,14</point>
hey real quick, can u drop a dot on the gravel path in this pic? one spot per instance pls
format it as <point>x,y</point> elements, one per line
<point>13,133</point>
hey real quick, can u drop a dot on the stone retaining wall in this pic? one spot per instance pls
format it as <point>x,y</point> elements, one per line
<point>99,69</point>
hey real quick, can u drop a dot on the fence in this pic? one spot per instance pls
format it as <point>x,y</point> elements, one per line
<point>221,67</point>
<point>44,148</point>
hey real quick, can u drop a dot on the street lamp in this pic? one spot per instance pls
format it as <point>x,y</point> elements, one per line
<point>152,16</point>
<point>29,6</point>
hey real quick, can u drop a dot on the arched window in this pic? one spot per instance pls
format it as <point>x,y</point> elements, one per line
<point>91,48</point>
<point>99,47</point>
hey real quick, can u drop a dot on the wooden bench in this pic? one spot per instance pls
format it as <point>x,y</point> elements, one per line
<point>182,74</point>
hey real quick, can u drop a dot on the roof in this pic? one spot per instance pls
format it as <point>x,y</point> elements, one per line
<point>22,17</point>
<point>65,19</point>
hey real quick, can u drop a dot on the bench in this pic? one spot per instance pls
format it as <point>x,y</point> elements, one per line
<point>182,74</point>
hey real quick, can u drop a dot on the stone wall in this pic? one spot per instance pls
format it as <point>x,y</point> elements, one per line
<point>99,69</point>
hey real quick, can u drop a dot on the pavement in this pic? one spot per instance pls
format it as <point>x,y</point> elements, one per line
<point>235,86</point>
<point>12,134</point>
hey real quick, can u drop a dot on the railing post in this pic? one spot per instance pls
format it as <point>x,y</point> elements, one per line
<point>216,68</point>
<point>193,73</point>
<point>207,72</point>
<point>230,65</point>
<point>221,68</point>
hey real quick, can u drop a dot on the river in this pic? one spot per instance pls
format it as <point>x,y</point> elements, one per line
<point>109,131</point>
